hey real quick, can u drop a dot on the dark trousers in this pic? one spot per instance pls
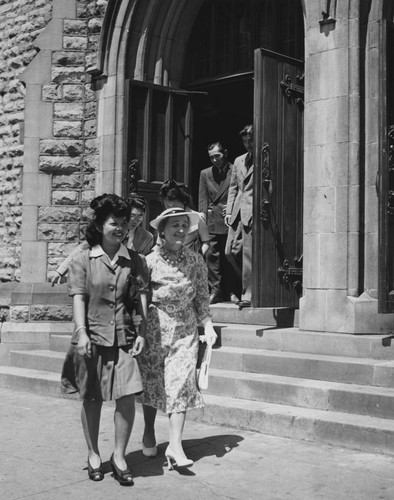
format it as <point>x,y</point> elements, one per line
<point>222,278</point>
<point>239,253</point>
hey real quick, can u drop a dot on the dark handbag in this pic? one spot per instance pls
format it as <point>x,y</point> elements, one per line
<point>131,298</point>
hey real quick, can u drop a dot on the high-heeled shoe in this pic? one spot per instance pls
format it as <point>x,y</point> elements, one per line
<point>149,452</point>
<point>95,474</point>
<point>124,477</point>
<point>178,461</point>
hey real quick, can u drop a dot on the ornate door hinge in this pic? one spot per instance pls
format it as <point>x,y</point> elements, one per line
<point>293,90</point>
<point>291,275</point>
<point>390,147</point>
<point>266,183</point>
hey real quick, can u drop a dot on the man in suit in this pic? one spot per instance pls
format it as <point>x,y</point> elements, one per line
<point>213,192</point>
<point>239,213</point>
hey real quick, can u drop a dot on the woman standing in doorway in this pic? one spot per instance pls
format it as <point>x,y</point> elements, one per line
<point>176,196</point>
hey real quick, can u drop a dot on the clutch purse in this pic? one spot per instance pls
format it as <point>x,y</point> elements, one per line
<point>203,371</point>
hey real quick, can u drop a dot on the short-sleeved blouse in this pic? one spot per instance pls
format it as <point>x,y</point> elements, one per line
<point>108,320</point>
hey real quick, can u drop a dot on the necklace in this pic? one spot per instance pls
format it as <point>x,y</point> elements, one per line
<point>173,260</point>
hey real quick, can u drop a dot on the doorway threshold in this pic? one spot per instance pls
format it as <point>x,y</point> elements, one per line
<point>269,316</point>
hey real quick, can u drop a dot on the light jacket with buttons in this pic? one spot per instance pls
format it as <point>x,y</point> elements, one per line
<point>104,286</point>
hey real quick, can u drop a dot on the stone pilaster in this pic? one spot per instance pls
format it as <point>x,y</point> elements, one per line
<point>337,210</point>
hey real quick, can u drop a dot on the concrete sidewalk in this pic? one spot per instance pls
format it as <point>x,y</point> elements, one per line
<point>43,456</point>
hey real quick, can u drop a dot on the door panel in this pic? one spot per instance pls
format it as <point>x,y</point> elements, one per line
<point>277,226</point>
<point>385,181</point>
<point>159,146</point>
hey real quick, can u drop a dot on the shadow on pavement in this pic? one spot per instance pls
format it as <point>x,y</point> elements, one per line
<point>196,449</point>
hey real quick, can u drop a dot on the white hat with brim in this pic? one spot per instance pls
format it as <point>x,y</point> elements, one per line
<point>176,212</point>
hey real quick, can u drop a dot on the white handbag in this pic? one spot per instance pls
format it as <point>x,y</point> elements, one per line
<point>202,375</point>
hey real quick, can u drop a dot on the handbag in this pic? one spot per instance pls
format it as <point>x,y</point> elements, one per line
<point>203,371</point>
<point>131,299</point>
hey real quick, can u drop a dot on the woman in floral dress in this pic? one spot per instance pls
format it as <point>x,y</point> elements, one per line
<point>179,301</point>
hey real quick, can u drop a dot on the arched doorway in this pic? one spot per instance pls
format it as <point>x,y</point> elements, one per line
<point>240,53</point>
<point>171,127</point>
<point>220,61</point>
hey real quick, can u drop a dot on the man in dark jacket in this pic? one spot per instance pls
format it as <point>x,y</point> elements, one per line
<point>213,192</point>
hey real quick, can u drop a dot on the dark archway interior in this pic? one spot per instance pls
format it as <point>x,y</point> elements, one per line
<point>219,116</point>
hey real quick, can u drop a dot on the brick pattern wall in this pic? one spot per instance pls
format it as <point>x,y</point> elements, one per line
<point>21,21</point>
<point>70,156</point>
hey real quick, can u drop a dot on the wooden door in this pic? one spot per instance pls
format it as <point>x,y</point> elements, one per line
<point>278,190</point>
<point>159,141</point>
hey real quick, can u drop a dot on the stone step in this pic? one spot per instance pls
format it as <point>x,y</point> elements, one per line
<point>33,333</point>
<point>365,433</point>
<point>41,360</point>
<point>319,367</point>
<point>318,394</point>
<point>59,343</point>
<point>272,316</point>
<point>362,371</point>
<point>37,381</point>
<point>294,340</point>
<point>314,394</point>
<point>368,434</point>
<point>300,365</point>
<point>286,340</point>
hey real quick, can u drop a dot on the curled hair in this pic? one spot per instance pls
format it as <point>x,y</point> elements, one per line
<point>136,201</point>
<point>104,206</point>
<point>247,130</point>
<point>173,191</point>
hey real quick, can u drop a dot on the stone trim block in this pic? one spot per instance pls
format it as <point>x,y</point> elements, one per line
<point>70,148</point>
<point>60,74</point>
<point>73,92</point>
<point>59,164</point>
<point>67,129</point>
<point>65,198</point>
<point>51,214</point>
<point>51,313</point>
<point>51,232</point>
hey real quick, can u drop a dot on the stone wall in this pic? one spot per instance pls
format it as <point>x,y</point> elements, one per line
<point>68,151</point>
<point>21,21</point>
<point>70,157</point>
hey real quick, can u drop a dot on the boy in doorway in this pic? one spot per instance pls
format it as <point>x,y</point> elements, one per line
<point>239,213</point>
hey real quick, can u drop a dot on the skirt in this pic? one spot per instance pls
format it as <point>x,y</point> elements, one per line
<point>110,373</point>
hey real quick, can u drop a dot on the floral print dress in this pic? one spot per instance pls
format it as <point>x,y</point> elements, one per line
<point>179,301</point>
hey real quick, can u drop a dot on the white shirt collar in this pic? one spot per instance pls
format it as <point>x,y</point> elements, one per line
<point>97,251</point>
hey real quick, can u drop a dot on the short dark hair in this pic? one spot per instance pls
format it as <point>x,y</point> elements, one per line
<point>136,201</point>
<point>219,144</point>
<point>103,206</point>
<point>173,191</point>
<point>247,130</point>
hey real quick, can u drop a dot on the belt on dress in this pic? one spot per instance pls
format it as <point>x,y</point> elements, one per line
<point>171,308</point>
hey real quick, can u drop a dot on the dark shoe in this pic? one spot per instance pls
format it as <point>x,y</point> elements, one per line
<point>214,299</point>
<point>123,476</point>
<point>244,303</point>
<point>95,474</point>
